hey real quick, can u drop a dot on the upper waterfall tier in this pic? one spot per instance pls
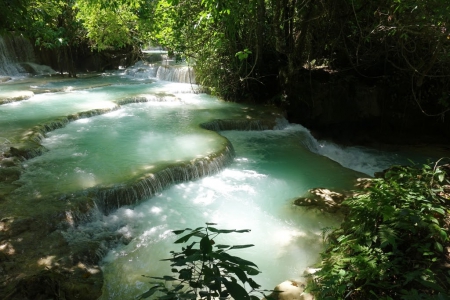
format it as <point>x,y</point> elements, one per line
<point>17,58</point>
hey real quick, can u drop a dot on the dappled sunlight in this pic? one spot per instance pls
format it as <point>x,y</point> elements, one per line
<point>91,270</point>
<point>285,236</point>
<point>47,261</point>
<point>156,210</point>
<point>85,179</point>
<point>7,248</point>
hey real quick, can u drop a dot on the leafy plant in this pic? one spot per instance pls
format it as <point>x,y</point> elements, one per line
<point>204,270</point>
<point>393,242</point>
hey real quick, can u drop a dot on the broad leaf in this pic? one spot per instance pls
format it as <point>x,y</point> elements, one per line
<point>205,245</point>
<point>236,291</point>
<point>242,246</point>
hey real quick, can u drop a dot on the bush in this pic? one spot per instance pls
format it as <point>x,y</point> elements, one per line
<point>393,242</point>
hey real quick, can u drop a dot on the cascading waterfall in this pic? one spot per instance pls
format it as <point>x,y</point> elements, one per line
<point>131,158</point>
<point>11,55</point>
<point>17,57</point>
<point>111,199</point>
<point>182,74</point>
<point>361,159</point>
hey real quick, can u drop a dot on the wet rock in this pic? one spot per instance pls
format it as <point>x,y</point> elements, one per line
<point>323,199</point>
<point>10,174</point>
<point>9,162</point>
<point>18,152</point>
<point>290,290</point>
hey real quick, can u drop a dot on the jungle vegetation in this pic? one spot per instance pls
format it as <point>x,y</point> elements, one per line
<point>259,50</point>
<point>262,51</point>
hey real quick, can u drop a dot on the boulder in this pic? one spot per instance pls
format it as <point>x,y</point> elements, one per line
<point>289,290</point>
<point>323,199</point>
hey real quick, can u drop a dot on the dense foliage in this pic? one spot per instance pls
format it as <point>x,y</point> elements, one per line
<point>393,244</point>
<point>262,50</point>
<point>205,270</point>
<point>402,44</point>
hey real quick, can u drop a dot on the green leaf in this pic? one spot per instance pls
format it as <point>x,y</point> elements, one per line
<point>438,247</point>
<point>242,246</point>
<point>251,271</point>
<point>432,285</point>
<point>239,273</point>
<point>177,232</point>
<point>206,245</point>
<point>438,210</point>
<point>253,284</point>
<point>234,259</point>
<point>221,230</point>
<point>186,238</point>
<point>166,278</point>
<point>236,291</point>
<point>185,274</point>
<point>150,292</point>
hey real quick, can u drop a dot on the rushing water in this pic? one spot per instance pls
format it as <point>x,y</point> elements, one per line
<point>148,123</point>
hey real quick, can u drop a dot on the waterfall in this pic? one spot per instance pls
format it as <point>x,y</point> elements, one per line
<point>358,158</point>
<point>112,198</point>
<point>13,50</point>
<point>166,72</point>
<point>177,74</point>
<point>17,57</point>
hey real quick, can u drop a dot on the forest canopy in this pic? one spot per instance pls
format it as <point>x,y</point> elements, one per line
<point>259,50</point>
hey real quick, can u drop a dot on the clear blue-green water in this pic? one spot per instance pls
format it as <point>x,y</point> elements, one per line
<point>271,168</point>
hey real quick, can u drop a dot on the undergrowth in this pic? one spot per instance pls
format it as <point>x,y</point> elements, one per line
<point>393,241</point>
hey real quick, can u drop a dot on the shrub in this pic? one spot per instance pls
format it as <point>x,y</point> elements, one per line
<point>204,270</point>
<point>393,242</point>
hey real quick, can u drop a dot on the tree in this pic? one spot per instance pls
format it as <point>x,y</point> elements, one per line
<point>12,14</point>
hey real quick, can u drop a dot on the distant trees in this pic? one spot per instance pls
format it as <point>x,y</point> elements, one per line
<point>378,40</point>
<point>259,49</point>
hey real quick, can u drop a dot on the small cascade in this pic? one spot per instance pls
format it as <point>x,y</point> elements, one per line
<point>361,159</point>
<point>111,199</point>
<point>13,50</point>
<point>37,69</point>
<point>17,58</point>
<point>142,70</point>
<point>176,74</point>
<point>148,98</point>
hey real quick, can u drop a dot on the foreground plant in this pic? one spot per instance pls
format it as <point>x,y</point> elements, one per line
<point>204,270</point>
<point>393,242</point>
